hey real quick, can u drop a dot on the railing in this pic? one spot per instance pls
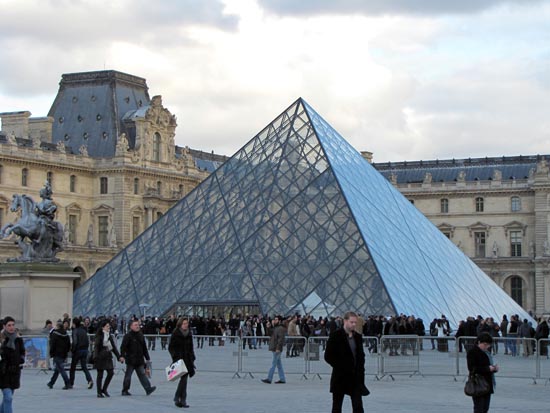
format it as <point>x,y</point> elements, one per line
<point>386,356</point>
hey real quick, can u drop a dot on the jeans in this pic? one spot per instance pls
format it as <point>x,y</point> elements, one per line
<point>276,363</point>
<point>82,357</point>
<point>59,368</point>
<point>481,404</point>
<point>140,371</point>
<point>181,391</point>
<point>356,402</point>
<point>7,399</point>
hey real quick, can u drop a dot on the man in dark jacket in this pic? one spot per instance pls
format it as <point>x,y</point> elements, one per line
<point>79,349</point>
<point>134,353</point>
<point>60,344</point>
<point>345,354</point>
<point>276,344</point>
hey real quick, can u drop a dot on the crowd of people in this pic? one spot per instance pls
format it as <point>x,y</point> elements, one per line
<point>280,334</point>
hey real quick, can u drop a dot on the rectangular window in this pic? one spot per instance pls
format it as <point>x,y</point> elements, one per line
<point>72,183</point>
<point>103,231</point>
<point>135,227</point>
<point>447,234</point>
<point>24,177</point>
<point>515,243</point>
<point>479,205</point>
<point>1,217</point>
<point>72,229</point>
<point>516,204</point>
<point>103,185</point>
<point>444,206</point>
<point>480,242</point>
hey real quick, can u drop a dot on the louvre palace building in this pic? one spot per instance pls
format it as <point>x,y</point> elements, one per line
<point>108,150</point>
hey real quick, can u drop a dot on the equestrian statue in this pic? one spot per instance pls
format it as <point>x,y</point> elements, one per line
<point>38,235</point>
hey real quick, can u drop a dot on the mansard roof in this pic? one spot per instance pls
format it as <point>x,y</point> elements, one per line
<point>448,170</point>
<point>89,107</point>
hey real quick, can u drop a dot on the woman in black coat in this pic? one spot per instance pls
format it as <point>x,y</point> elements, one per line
<point>12,351</point>
<point>181,348</point>
<point>104,346</point>
<point>480,362</point>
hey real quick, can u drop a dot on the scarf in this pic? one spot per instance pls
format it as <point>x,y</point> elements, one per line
<point>11,339</point>
<point>106,341</point>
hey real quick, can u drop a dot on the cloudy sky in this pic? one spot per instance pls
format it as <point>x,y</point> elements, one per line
<point>405,79</point>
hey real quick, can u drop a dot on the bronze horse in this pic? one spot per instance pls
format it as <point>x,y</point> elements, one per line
<point>38,237</point>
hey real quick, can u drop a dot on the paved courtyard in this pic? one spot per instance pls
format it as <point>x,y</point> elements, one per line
<point>214,391</point>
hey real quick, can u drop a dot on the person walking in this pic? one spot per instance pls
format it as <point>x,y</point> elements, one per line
<point>104,346</point>
<point>346,356</point>
<point>480,361</point>
<point>181,348</point>
<point>134,353</point>
<point>12,351</point>
<point>79,350</point>
<point>60,344</point>
<point>276,344</point>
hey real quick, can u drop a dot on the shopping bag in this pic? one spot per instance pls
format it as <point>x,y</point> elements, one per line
<point>175,370</point>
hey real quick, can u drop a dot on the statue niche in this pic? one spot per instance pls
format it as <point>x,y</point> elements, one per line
<point>38,235</point>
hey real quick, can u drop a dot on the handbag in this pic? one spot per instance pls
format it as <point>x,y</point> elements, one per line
<point>175,370</point>
<point>476,386</point>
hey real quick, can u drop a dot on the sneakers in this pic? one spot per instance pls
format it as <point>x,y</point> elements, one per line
<point>125,393</point>
<point>151,390</point>
<point>266,381</point>
<point>90,384</point>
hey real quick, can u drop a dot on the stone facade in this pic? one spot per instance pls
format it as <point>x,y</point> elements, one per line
<point>496,210</point>
<point>103,202</point>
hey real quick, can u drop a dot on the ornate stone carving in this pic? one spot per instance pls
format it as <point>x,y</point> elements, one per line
<point>497,175</point>
<point>427,178</point>
<point>36,143</point>
<point>11,138</point>
<point>461,176</point>
<point>122,144</point>
<point>83,150</point>
<point>61,147</point>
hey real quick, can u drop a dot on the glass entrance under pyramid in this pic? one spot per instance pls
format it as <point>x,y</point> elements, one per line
<point>295,221</point>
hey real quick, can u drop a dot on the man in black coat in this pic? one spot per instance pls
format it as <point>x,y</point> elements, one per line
<point>134,353</point>
<point>79,350</point>
<point>345,354</point>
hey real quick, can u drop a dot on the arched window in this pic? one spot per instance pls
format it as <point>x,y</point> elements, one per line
<point>516,203</point>
<point>516,289</point>
<point>479,204</point>
<point>136,186</point>
<point>72,183</point>
<point>156,147</point>
<point>444,206</point>
<point>24,177</point>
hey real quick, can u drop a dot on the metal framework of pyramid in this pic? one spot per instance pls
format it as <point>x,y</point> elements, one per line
<point>296,213</point>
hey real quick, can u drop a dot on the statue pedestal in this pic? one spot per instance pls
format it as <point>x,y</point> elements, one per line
<point>32,292</point>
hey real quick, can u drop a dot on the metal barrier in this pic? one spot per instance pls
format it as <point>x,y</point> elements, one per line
<point>387,356</point>
<point>438,356</point>
<point>399,355</point>
<point>256,360</point>
<point>515,356</point>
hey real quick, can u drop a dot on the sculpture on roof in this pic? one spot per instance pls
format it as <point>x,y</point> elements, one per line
<point>40,237</point>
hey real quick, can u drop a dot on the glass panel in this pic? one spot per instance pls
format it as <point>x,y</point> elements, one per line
<point>296,220</point>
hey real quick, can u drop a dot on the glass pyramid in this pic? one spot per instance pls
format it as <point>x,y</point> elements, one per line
<point>295,221</point>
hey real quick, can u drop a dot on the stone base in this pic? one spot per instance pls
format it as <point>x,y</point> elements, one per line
<point>33,292</point>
